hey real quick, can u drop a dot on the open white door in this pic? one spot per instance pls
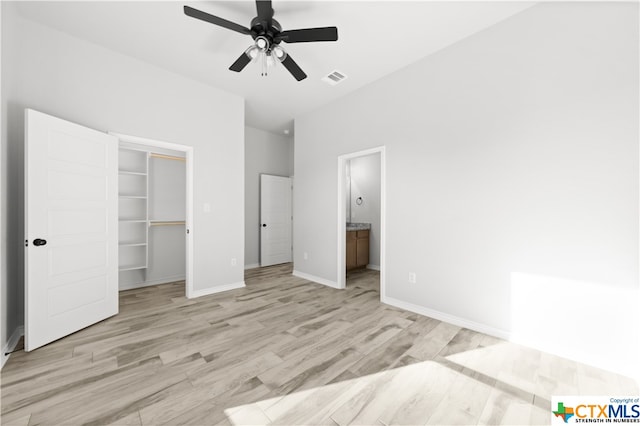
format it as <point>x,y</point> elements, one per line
<point>275,220</point>
<point>71,229</point>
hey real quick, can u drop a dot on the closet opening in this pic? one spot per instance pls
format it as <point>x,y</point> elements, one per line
<point>155,188</point>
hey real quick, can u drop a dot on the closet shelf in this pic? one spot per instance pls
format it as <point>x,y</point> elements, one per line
<point>133,184</point>
<point>131,267</point>
<point>166,157</point>
<point>132,173</point>
<point>166,222</point>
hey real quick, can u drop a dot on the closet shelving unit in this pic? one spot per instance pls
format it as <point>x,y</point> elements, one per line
<point>133,209</point>
<point>144,204</point>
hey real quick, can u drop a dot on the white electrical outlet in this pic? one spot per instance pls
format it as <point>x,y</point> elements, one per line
<point>234,262</point>
<point>305,256</point>
<point>412,277</point>
<point>206,207</point>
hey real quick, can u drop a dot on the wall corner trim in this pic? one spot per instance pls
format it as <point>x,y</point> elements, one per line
<point>217,289</point>
<point>315,279</point>
<point>11,344</point>
<point>451,319</point>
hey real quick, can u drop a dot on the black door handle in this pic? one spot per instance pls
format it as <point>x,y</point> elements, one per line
<point>264,225</point>
<point>39,242</point>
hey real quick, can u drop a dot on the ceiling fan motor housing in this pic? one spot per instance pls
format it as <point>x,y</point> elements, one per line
<point>260,28</point>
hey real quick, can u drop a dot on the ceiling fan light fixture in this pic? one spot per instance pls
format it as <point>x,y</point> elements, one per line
<point>271,60</point>
<point>262,43</point>
<point>279,53</point>
<point>252,52</point>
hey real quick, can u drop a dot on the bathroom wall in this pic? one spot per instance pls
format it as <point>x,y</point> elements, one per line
<point>365,183</point>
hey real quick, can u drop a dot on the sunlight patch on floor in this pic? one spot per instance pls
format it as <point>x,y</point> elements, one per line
<point>427,392</point>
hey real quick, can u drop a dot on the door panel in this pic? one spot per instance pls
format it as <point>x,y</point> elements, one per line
<point>85,292</point>
<point>362,251</point>
<point>351,250</point>
<point>65,185</point>
<point>77,258</point>
<point>71,200</point>
<point>275,217</point>
<point>72,222</point>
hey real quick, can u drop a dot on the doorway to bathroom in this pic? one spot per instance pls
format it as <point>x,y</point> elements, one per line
<point>361,219</point>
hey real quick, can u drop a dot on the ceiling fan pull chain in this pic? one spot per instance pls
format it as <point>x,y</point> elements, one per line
<point>264,63</point>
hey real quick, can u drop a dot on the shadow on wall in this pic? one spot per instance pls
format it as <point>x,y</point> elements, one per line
<point>15,217</point>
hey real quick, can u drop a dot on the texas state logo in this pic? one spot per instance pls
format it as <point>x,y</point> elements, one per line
<point>574,409</point>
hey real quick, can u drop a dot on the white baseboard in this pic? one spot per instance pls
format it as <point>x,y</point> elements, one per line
<point>315,279</point>
<point>373,267</point>
<point>131,286</point>
<point>451,319</point>
<point>252,266</point>
<point>11,344</point>
<point>214,290</point>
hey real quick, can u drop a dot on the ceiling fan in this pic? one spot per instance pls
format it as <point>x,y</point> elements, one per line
<point>267,35</point>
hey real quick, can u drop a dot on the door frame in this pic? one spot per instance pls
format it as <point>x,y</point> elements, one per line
<point>342,216</point>
<point>188,150</point>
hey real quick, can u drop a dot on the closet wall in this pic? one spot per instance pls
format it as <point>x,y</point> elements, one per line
<point>152,188</point>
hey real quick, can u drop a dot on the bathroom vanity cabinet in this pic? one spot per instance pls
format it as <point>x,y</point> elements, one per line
<point>357,249</point>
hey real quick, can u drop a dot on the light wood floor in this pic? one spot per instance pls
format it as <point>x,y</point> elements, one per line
<point>286,351</point>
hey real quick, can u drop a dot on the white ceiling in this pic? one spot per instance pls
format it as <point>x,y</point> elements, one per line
<point>375,38</point>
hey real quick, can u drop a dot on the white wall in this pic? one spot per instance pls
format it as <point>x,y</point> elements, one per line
<point>511,178</point>
<point>82,82</point>
<point>266,153</point>
<point>3,212</point>
<point>365,183</point>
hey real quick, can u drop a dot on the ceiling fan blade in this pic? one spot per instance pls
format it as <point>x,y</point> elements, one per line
<point>203,16</point>
<point>309,34</point>
<point>293,68</point>
<point>241,62</point>
<point>265,10</point>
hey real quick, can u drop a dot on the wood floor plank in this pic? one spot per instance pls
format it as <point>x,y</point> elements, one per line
<point>283,350</point>
<point>419,403</point>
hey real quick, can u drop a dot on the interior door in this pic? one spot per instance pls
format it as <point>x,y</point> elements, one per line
<point>71,228</point>
<point>275,220</point>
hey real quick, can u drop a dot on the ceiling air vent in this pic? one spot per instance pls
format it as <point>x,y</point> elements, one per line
<point>334,78</point>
